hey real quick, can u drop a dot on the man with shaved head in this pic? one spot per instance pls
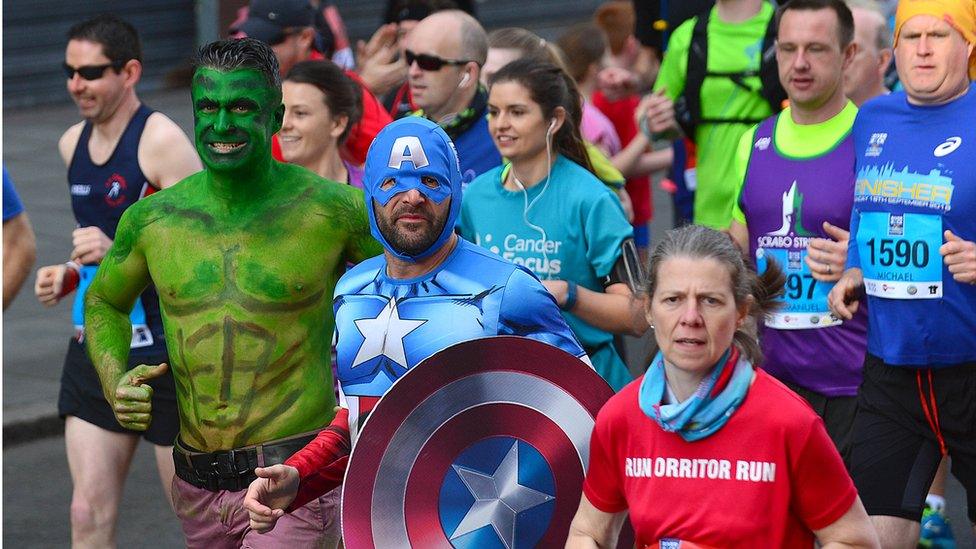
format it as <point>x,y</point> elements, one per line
<point>444,54</point>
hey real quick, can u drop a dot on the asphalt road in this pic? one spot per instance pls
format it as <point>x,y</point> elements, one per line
<point>37,493</point>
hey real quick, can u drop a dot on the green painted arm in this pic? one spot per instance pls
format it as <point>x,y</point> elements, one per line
<point>121,278</point>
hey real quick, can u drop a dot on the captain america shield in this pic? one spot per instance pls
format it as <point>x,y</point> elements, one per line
<point>484,444</point>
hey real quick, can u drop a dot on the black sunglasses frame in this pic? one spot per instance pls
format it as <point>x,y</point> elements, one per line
<point>90,72</point>
<point>432,63</point>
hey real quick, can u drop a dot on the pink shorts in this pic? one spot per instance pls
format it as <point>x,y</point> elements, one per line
<point>215,520</point>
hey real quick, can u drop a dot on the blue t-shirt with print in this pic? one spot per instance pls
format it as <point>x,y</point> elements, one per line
<point>573,230</point>
<point>915,180</point>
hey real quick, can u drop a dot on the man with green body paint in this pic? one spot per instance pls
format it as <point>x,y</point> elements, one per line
<point>245,256</point>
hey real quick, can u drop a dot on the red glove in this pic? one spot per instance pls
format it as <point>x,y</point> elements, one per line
<point>322,462</point>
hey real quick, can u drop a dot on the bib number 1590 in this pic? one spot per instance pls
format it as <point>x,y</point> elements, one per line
<point>900,253</point>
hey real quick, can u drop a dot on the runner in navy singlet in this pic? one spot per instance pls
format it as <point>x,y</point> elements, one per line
<point>121,152</point>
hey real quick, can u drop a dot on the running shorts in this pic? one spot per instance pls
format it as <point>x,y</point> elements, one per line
<point>81,396</point>
<point>905,418</point>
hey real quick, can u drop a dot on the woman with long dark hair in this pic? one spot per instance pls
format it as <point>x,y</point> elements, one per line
<point>546,211</point>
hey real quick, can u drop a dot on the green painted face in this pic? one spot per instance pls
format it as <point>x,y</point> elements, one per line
<point>235,114</point>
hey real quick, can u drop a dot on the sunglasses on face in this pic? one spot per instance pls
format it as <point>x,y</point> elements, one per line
<point>431,62</point>
<point>89,72</point>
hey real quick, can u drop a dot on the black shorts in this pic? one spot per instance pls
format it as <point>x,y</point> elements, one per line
<point>838,416</point>
<point>896,449</point>
<point>81,396</point>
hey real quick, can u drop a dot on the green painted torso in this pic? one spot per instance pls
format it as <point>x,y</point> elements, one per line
<point>246,298</point>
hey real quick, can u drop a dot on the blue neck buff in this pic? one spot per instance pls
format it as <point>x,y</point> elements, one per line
<point>709,408</point>
<point>405,152</point>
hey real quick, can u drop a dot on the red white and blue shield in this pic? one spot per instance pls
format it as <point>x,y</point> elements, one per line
<point>484,444</point>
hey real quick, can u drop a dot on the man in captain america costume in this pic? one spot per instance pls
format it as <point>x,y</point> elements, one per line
<point>430,289</point>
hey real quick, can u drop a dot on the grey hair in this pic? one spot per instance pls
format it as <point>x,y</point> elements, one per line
<point>882,34</point>
<point>242,53</point>
<point>698,242</point>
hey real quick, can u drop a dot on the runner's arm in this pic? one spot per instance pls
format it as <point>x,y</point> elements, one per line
<point>122,276</point>
<point>166,156</point>
<point>592,527</point>
<point>852,530</point>
<point>321,464</point>
<point>19,254</point>
<point>740,235</point>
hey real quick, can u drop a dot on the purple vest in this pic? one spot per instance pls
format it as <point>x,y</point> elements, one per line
<point>785,201</point>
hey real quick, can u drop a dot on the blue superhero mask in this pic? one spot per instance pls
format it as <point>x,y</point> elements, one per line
<point>405,152</point>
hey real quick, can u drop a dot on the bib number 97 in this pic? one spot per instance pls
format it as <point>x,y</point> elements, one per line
<point>797,285</point>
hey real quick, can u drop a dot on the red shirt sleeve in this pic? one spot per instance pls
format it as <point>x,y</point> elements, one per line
<point>322,462</point>
<point>822,490</point>
<point>603,486</point>
<point>373,120</point>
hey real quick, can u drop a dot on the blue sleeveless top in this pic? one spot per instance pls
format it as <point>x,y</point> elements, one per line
<point>99,195</point>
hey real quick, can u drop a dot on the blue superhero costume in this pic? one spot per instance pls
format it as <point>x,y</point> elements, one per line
<point>384,325</point>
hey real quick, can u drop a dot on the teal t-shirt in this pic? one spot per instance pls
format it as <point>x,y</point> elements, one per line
<point>574,232</point>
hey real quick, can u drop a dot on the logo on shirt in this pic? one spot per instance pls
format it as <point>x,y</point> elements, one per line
<point>763,143</point>
<point>882,184</point>
<point>946,148</point>
<point>116,186</point>
<point>896,225</point>
<point>875,144</point>
<point>81,190</point>
<point>792,214</point>
<point>541,256</point>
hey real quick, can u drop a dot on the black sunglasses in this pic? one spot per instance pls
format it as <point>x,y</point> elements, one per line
<point>431,62</point>
<point>89,72</point>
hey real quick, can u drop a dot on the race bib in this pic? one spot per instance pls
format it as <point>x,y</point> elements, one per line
<point>900,255</point>
<point>141,334</point>
<point>805,299</point>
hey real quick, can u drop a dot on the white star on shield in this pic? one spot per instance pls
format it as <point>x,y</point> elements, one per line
<point>499,498</point>
<point>384,335</point>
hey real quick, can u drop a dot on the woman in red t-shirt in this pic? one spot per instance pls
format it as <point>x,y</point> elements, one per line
<point>705,449</point>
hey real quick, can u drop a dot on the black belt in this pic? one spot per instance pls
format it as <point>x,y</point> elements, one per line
<point>233,470</point>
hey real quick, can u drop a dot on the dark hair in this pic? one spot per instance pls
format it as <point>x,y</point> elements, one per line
<point>698,242</point>
<point>119,39</point>
<point>342,95</point>
<point>845,20</point>
<point>240,53</point>
<point>550,87</point>
<point>584,45</point>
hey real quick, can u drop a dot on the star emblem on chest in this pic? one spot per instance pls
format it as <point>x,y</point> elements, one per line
<point>383,335</point>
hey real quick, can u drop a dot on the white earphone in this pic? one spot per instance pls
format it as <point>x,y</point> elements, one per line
<point>464,80</point>
<point>552,126</point>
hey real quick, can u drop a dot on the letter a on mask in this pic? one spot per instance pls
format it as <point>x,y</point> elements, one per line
<point>407,148</point>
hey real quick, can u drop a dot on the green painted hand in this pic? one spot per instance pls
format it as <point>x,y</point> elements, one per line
<point>133,397</point>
